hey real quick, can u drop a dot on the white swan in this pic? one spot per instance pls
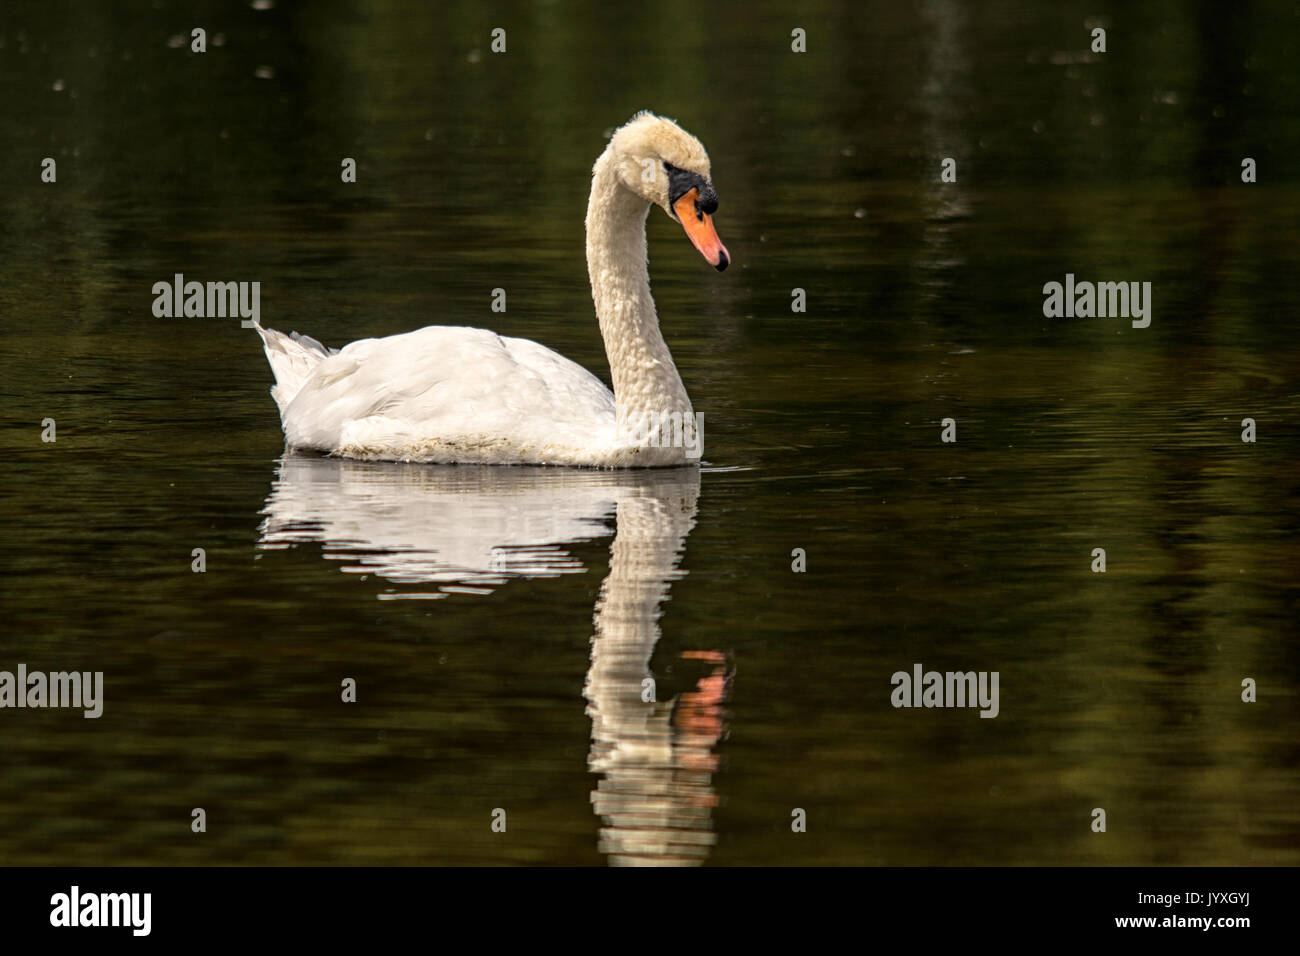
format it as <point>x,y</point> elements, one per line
<point>454,394</point>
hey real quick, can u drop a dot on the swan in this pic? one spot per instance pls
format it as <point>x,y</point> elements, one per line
<point>451,394</point>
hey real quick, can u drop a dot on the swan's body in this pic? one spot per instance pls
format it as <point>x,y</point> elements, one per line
<point>454,394</point>
<point>444,394</point>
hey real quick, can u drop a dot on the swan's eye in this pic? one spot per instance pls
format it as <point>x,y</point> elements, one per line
<point>682,181</point>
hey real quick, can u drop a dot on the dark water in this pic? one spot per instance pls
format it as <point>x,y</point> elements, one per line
<point>499,622</point>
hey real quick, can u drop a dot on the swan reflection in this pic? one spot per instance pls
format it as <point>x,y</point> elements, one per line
<point>468,529</point>
<point>465,528</point>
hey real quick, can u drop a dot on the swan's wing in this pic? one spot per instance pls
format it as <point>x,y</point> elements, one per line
<point>567,384</point>
<point>447,386</point>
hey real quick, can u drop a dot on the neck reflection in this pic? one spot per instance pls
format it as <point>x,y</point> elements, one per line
<point>655,759</point>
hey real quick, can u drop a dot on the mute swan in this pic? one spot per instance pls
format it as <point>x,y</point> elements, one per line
<point>454,394</point>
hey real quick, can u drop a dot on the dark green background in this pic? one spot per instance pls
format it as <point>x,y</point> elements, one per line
<point>924,301</point>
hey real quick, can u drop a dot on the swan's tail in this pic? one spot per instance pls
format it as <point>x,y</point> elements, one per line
<point>293,358</point>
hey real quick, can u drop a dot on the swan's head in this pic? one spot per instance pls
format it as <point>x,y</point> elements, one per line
<point>662,163</point>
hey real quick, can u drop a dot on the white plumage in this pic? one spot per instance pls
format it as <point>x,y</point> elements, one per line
<point>441,393</point>
<point>455,394</point>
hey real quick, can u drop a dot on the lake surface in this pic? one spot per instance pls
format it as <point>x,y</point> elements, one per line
<point>499,623</point>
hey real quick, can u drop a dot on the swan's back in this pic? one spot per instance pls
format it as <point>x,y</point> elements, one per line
<point>441,393</point>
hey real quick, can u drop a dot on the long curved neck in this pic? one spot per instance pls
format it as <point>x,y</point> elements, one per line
<point>645,378</point>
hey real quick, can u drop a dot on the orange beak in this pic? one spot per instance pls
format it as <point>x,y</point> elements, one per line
<point>699,229</point>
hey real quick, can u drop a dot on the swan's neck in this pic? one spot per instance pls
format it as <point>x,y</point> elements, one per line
<point>645,378</point>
